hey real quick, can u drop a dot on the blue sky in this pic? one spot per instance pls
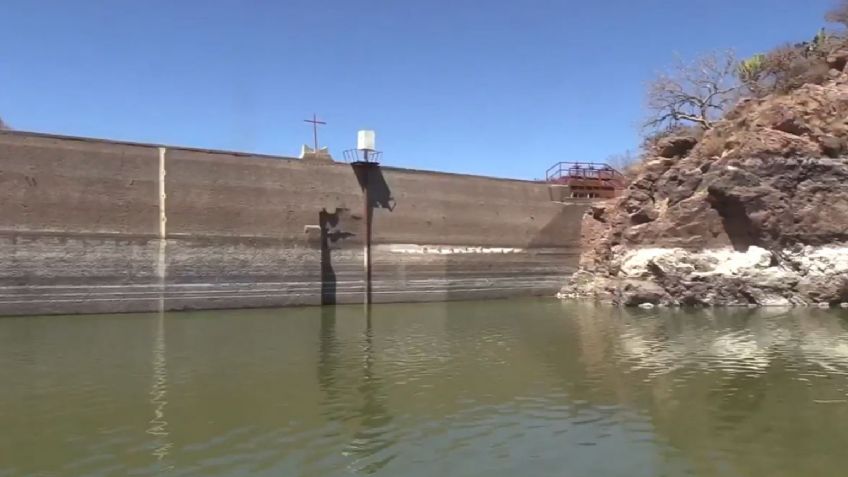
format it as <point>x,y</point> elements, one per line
<point>491,87</point>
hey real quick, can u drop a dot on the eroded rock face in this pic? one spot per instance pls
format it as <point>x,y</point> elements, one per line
<point>723,276</point>
<point>755,213</point>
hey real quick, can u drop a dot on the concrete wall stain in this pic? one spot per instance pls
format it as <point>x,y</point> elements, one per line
<point>100,226</point>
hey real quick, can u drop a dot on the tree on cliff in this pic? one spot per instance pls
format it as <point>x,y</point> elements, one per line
<point>839,13</point>
<point>695,93</point>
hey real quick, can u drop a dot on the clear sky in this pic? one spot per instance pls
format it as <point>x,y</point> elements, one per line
<point>491,87</point>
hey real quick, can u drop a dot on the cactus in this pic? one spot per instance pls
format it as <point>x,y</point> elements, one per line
<point>820,38</point>
<point>748,70</point>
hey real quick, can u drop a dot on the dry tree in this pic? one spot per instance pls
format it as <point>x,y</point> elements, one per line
<point>695,93</point>
<point>839,13</point>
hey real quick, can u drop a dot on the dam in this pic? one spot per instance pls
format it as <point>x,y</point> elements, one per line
<point>99,226</point>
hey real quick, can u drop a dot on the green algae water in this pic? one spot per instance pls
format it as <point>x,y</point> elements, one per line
<point>502,388</point>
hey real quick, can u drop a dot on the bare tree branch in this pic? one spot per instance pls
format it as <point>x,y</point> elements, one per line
<point>839,13</point>
<point>624,162</point>
<point>693,93</point>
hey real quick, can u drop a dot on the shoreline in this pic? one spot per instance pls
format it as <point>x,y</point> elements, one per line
<point>800,276</point>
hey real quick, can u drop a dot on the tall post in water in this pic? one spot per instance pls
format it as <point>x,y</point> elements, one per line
<point>368,214</point>
<point>364,162</point>
<point>363,170</point>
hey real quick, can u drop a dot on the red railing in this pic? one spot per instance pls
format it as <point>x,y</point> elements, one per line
<point>585,173</point>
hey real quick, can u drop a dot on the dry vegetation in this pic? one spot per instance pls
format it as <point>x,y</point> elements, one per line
<point>839,13</point>
<point>694,93</point>
<point>694,97</point>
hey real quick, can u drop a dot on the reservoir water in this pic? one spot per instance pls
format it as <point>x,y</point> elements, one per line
<point>500,388</point>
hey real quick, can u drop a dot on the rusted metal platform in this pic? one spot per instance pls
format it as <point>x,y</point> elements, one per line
<point>584,180</point>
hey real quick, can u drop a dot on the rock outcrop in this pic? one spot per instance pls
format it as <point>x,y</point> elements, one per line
<point>754,212</point>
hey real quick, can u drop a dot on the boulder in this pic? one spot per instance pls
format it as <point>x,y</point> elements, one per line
<point>824,288</point>
<point>675,146</point>
<point>639,292</point>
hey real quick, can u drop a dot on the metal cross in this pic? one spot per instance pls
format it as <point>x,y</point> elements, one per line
<point>315,122</point>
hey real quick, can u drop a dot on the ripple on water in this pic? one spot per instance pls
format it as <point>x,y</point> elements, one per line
<point>457,389</point>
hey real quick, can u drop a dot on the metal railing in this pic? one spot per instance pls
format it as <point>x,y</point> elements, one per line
<point>585,173</point>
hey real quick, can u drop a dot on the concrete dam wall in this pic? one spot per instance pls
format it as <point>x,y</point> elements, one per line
<point>91,226</point>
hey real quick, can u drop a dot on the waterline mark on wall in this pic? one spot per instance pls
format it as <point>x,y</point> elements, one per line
<point>450,249</point>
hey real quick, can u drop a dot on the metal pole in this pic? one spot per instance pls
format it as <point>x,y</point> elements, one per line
<point>367,249</point>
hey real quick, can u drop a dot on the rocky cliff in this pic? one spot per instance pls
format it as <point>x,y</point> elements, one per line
<point>752,212</point>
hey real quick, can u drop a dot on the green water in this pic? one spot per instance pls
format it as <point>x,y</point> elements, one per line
<point>503,388</point>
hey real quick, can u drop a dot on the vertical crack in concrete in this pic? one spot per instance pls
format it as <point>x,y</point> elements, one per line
<point>161,264</point>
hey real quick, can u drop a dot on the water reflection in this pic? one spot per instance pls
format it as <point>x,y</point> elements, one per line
<point>159,393</point>
<point>746,342</point>
<point>368,441</point>
<point>738,392</point>
<point>490,388</point>
<point>329,363</point>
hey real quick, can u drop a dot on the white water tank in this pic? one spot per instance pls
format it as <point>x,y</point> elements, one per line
<point>365,140</point>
